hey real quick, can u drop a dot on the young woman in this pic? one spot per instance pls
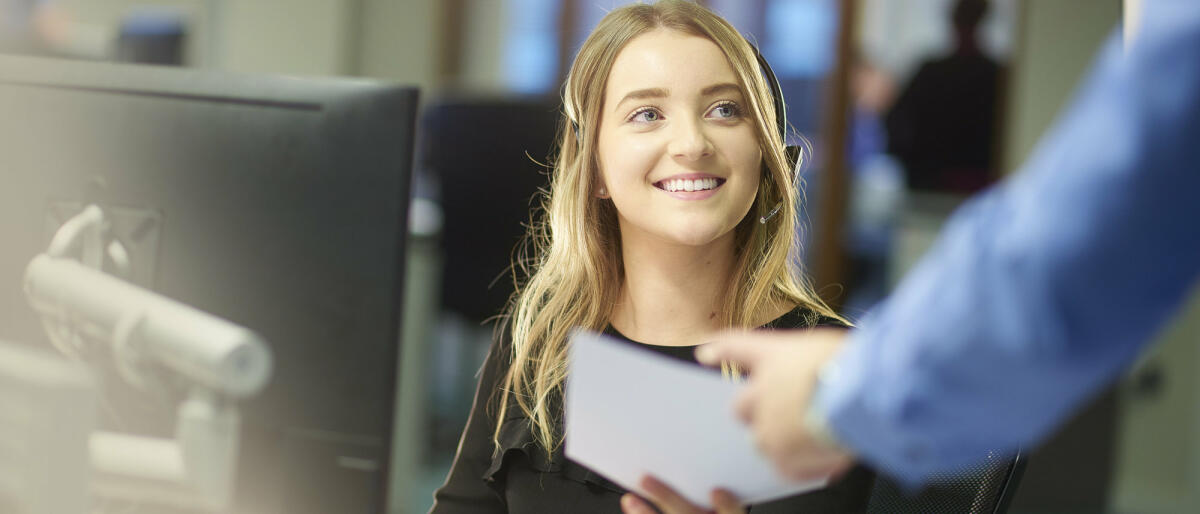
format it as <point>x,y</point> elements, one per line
<point>670,159</point>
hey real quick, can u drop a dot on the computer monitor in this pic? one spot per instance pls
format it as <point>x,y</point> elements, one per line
<point>276,203</point>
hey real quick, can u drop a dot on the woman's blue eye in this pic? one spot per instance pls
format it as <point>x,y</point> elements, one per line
<point>646,116</point>
<point>726,110</point>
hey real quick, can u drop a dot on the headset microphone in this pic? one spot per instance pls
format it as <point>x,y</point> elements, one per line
<point>771,214</point>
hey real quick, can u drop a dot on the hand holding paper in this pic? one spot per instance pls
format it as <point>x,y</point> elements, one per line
<point>785,367</point>
<point>631,413</point>
<point>667,501</point>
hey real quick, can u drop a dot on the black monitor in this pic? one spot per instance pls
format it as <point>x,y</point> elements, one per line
<point>277,203</point>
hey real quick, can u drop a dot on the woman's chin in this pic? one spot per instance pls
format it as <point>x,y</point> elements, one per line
<point>694,231</point>
<point>696,236</point>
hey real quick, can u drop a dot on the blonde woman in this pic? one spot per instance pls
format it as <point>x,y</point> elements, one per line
<point>669,158</point>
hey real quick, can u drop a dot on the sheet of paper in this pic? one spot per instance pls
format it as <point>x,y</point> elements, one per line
<point>631,412</point>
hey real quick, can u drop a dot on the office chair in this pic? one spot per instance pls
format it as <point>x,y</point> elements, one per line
<point>481,152</point>
<point>987,488</point>
<point>485,154</point>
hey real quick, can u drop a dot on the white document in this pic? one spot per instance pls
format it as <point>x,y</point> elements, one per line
<point>631,412</point>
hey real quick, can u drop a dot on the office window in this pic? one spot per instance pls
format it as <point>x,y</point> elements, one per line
<point>588,14</point>
<point>797,37</point>
<point>531,52</point>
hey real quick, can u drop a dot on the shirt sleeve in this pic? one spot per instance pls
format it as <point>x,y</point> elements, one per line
<point>1043,289</point>
<point>465,491</point>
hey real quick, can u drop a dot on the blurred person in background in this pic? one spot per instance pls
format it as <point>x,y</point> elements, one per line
<point>942,126</point>
<point>654,233</point>
<point>1037,294</point>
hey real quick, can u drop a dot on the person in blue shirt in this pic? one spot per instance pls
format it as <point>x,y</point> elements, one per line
<point>1038,293</point>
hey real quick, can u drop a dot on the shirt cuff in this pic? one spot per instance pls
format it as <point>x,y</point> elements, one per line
<point>869,426</point>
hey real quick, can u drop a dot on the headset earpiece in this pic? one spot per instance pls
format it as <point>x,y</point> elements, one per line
<point>793,153</point>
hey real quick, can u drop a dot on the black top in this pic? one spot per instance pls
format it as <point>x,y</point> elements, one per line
<point>519,478</point>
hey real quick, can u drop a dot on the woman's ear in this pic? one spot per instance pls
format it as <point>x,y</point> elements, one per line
<point>601,190</point>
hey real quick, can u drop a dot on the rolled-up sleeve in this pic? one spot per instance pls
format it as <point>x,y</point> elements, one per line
<point>1043,289</point>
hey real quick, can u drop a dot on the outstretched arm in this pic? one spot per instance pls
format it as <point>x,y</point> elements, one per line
<point>1043,289</point>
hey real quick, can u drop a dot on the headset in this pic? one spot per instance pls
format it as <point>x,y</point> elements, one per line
<point>793,153</point>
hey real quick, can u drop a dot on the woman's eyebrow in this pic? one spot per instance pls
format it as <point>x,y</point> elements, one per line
<point>658,92</point>
<point>642,94</point>
<point>724,87</point>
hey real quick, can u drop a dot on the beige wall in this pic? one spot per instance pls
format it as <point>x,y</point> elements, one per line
<point>1055,44</point>
<point>1158,455</point>
<point>392,39</point>
<point>483,45</point>
<point>400,40</point>
<point>303,37</point>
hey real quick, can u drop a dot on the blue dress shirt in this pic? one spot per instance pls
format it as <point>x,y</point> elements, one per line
<point>1041,290</point>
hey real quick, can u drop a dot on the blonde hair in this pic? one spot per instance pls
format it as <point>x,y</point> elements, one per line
<point>575,271</point>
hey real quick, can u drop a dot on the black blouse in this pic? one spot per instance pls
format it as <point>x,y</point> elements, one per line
<point>520,478</point>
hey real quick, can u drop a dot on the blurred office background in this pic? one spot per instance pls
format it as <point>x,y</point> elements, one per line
<point>909,105</point>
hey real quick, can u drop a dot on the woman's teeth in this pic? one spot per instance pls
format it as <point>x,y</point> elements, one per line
<point>701,184</point>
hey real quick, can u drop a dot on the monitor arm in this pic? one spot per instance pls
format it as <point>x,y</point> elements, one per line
<point>149,334</point>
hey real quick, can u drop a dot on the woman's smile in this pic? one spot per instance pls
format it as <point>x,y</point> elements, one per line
<point>692,186</point>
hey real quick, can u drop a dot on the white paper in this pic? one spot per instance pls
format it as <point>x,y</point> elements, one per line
<point>631,412</point>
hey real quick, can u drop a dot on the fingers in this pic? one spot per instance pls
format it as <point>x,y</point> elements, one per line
<point>748,348</point>
<point>725,502</point>
<point>666,498</point>
<point>789,447</point>
<point>631,504</point>
<point>830,465</point>
<point>741,348</point>
<point>670,502</point>
<point>743,405</point>
<point>806,473</point>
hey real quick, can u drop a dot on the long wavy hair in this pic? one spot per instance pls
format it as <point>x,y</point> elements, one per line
<point>572,254</point>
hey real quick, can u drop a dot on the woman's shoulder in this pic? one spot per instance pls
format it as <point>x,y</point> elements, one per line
<point>804,317</point>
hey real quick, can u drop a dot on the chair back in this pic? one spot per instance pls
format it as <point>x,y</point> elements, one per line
<point>986,488</point>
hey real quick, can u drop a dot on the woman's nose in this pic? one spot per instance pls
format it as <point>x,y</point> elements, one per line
<point>688,141</point>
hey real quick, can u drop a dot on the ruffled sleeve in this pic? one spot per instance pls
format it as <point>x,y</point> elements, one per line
<point>466,490</point>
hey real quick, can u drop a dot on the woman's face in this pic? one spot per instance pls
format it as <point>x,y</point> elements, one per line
<point>677,148</point>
